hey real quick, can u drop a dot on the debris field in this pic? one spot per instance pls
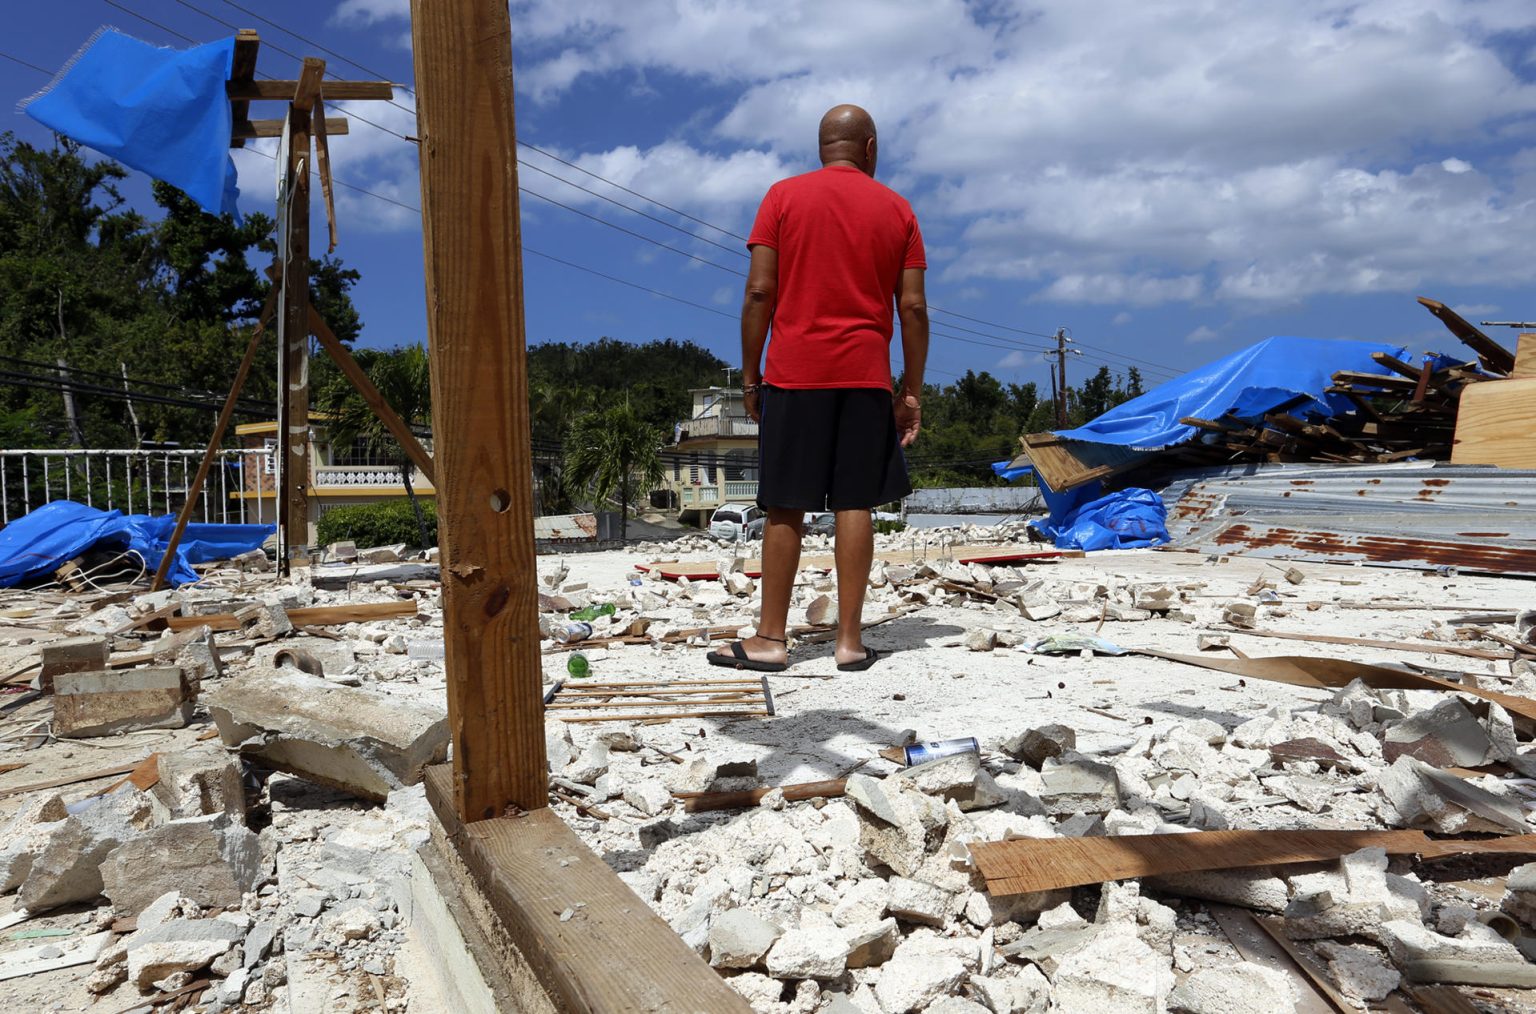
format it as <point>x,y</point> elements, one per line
<point>212,796</point>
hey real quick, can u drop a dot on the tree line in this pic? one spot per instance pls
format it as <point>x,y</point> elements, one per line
<point>92,290</point>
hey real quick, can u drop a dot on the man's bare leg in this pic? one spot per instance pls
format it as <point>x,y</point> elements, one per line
<point>781,561</point>
<point>855,551</point>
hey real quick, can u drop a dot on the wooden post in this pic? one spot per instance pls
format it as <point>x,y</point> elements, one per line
<point>474,276</point>
<point>293,440</point>
<point>214,441</point>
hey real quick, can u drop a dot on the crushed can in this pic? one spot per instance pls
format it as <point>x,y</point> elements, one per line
<point>919,753</point>
<point>573,631</point>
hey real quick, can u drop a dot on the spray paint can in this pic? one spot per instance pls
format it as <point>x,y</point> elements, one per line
<point>578,665</point>
<point>573,631</point>
<point>919,753</point>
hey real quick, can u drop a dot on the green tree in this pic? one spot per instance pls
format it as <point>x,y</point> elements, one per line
<point>613,452</point>
<point>403,377</point>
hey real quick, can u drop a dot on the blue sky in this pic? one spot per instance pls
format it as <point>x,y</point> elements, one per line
<point>1169,181</point>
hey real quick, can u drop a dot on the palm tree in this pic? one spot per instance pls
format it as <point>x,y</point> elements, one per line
<point>404,378</point>
<point>613,452</point>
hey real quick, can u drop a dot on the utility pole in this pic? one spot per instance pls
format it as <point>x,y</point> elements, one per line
<point>1059,381</point>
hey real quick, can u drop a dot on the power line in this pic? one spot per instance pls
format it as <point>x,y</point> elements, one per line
<point>29,66</point>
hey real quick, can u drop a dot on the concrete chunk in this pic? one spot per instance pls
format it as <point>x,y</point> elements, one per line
<point>815,952</point>
<point>72,654</point>
<point>25,836</point>
<point>356,740</point>
<point>200,780</point>
<point>180,945</point>
<point>1114,971</point>
<point>739,939</point>
<point>1235,989</point>
<point>910,981</point>
<point>209,860</point>
<point>107,701</point>
<point>1447,735</point>
<point>1035,746</point>
<point>1075,784</point>
<point>915,901</point>
<point>872,944</point>
<point>68,868</point>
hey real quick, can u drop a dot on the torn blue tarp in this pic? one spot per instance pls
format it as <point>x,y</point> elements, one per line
<point>39,543</point>
<point>161,111</point>
<point>1125,519</point>
<point>1245,385</point>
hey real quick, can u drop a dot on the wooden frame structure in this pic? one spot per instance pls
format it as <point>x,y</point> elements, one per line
<point>610,953</point>
<point>288,301</point>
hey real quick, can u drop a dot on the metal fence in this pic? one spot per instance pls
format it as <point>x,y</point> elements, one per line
<point>133,481</point>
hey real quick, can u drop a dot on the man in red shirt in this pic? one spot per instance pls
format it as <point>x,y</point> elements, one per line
<point>832,252</point>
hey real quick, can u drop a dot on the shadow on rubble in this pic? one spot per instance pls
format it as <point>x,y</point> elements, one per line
<point>1227,719</point>
<point>906,633</point>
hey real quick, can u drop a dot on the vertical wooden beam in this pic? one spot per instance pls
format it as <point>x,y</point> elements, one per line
<point>474,276</point>
<point>294,438</point>
<point>242,71</point>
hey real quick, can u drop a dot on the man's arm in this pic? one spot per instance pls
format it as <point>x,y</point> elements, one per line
<point>756,315</point>
<point>912,308</point>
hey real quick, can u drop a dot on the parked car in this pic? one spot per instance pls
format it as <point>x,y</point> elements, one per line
<point>730,520</point>
<point>816,523</point>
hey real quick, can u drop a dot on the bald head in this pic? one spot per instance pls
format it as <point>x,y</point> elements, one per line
<point>847,135</point>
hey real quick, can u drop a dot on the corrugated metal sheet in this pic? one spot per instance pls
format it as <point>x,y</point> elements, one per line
<point>565,526</point>
<point>974,500</point>
<point>1419,515</point>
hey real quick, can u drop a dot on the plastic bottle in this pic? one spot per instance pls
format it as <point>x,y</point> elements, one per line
<point>578,665</point>
<point>574,631</point>
<point>918,753</point>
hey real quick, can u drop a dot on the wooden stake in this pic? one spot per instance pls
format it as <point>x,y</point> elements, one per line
<point>474,276</point>
<point>215,440</point>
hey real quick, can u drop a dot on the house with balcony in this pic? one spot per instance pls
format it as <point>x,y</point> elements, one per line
<point>339,476</point>
<point>712,459</point>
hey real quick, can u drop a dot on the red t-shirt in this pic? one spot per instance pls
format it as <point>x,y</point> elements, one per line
<point>843,240</point>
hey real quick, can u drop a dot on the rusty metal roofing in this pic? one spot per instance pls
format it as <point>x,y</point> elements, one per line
<point>565,526</point>
<point>1419,515</point>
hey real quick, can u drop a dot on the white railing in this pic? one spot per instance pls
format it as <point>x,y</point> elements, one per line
<point>716,426</point>
<point>366,476</point>
<point>133,481</point>
<point>713,494</point>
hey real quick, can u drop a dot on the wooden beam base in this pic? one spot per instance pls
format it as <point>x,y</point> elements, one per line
<point>610,954</point>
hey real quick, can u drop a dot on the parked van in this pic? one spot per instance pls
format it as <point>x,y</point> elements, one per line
<point>730,521</point>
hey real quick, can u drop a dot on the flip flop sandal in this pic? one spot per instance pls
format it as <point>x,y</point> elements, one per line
<point>737,659</point>
<point>870,655</point>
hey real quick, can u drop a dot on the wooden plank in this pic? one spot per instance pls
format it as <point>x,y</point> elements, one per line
<point>1042,864</point>
<point>611,953</point>
<point>1315,975</point>
<point>242,72</point>
<point>1442,1000</point>
<point>1332,673</point>
<point>1496,425</point>
<point>387,415</point>
<point>323,163</point>
<point>355,612</point>
<point>474,278</point>
<point>1492,355</point>
<point>333,91</point>
<point>1417,647</point>
<point>700,802</point>
<point>1067,464</point>
<point>58,783</point>
<point>1525,356</point>
<point>293,470</point>
<point>244,130</point>
<point>215,440</point>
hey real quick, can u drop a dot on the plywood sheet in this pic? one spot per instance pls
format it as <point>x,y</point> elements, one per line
<point>1525,356</point>
<point>1067,464</point>
<point>1496,424</point>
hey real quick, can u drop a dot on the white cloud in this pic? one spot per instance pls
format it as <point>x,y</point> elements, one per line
<point>1018,360</point>
<point>1201,334</point>
<point>1121,319</point>
<point>1120,153</point>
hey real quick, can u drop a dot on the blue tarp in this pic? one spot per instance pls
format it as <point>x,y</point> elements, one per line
<point>1246,384</point>
<point>161,111</point>
<point>1124,519</point>
<point>41,542</point>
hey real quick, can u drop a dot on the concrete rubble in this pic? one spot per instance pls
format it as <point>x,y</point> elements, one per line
<point>276,860</point>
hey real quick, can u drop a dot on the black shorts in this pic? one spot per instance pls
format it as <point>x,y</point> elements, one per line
<point>828,449</point>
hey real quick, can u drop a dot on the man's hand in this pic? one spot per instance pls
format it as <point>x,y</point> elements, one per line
<point>909,418</point>
<point>752,398</point>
